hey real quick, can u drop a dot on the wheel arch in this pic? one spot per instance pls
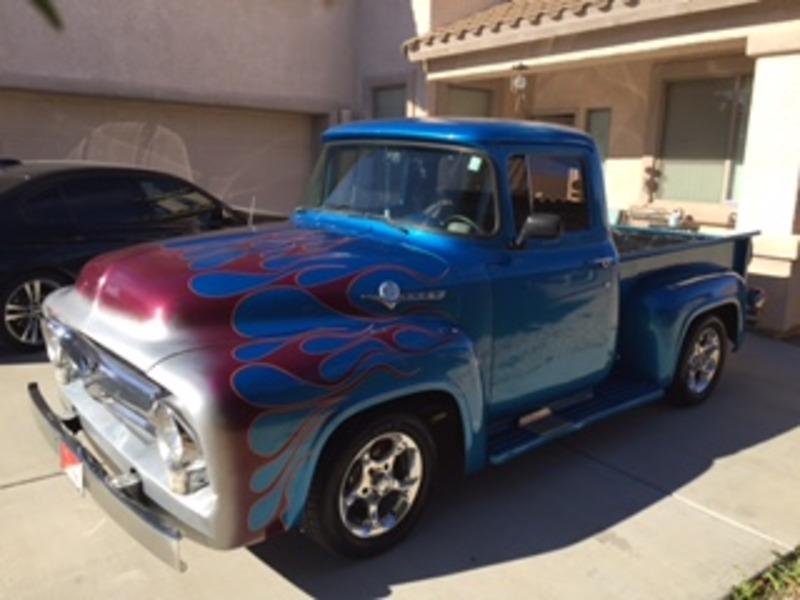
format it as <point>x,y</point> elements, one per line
<point>442,408</point>
<point>660,314</point>
<point>438,409</point>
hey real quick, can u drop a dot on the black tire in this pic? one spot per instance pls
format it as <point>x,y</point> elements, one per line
<point>324,522</point>
<point>689,389</point>
<point>13,332</point>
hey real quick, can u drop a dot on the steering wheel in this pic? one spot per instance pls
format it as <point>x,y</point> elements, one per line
<point>434,211</point>
<point>462,219</point>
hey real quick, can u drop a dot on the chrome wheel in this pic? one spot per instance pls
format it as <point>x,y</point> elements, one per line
<point>704,361</point>
<point>23,310</point>
<point>380,485</point>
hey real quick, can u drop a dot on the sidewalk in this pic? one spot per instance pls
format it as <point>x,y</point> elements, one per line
<point>658,503</point>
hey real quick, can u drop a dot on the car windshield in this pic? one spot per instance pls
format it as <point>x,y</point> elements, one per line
<point>168,198</point>
<point>427,187</point>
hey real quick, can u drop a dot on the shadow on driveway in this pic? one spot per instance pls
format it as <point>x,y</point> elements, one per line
<point>569,491</point>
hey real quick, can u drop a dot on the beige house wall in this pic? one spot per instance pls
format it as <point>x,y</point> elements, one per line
<point>281,54</point>
<point>381,28</point>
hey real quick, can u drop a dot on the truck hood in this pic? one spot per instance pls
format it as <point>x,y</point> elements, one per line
<point>237,287</point>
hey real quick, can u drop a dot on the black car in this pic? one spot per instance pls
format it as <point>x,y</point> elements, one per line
<point>56,215</point>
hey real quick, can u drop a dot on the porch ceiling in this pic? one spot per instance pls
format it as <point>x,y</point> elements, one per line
<point>517,21</point>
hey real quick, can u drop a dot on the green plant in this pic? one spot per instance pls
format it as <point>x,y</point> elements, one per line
<point>780,581</point>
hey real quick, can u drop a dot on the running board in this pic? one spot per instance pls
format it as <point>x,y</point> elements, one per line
<point>616,394</point>
<point>547,419</point>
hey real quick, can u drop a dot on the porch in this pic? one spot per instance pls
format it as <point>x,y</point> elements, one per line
<point>694,107</point>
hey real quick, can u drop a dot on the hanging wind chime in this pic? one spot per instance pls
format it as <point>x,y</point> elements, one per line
<point>519,84</point>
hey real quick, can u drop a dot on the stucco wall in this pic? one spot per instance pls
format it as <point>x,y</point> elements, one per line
<point>381,28</point>
<point>280,54</point>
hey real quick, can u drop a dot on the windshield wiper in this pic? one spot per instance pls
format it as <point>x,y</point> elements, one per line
<point>385,219</point>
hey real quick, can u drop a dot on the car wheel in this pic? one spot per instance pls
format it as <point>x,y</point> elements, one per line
<point>701,362</point>
<point>21,303</point>
<point>370,489</point>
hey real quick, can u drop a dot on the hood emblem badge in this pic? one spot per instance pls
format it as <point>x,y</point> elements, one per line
<point>390,295</point>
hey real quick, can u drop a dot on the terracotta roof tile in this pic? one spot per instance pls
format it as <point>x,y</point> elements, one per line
<point>511,13</point>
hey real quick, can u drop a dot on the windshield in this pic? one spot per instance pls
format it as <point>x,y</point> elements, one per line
<point>445,189</point>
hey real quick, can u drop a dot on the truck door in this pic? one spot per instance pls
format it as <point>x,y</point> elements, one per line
<point>555,302</point>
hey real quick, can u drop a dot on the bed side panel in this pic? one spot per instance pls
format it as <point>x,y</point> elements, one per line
<point>658,308</point>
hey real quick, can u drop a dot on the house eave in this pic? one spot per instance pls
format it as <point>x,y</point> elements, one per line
<point>485,38</point>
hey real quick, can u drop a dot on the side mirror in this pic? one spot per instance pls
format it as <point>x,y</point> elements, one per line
<point>540,226</point>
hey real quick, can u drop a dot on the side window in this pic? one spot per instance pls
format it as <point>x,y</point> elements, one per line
<point>104,200</point>
<point>549,184</point>
<point>168,198</point>
<point>45,208</point>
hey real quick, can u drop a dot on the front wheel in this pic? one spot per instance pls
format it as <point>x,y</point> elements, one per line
<point>371,487</point>
<point>701,362</point>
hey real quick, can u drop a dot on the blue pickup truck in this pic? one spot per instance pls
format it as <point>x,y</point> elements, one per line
<point>450,296</point>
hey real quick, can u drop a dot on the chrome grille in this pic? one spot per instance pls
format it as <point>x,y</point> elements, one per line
<point>127,392</point>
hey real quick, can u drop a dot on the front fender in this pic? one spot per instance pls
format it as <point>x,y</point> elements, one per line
<point>658,310</point>
<point>266,410</point>
<point>293,441</point>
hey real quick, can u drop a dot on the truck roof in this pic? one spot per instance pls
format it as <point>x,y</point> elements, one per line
<point>463,131</point>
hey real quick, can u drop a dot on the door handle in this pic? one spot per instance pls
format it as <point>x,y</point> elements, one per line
<point>601,263</point>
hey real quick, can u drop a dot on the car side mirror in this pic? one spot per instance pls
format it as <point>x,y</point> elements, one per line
<point>540,226</point>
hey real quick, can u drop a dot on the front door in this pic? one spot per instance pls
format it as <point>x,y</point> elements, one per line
<point>555,302</point>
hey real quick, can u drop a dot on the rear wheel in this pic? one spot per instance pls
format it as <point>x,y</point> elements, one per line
<point>370,489</point>
<point>21,302</point>
<point>701,362</point>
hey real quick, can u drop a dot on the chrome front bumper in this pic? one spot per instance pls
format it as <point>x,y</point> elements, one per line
<point>142,522</point>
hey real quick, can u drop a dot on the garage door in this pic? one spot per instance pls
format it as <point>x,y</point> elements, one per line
<point>237,154</point>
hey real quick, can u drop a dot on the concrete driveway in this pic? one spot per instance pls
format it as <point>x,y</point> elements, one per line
<point>658,503</point>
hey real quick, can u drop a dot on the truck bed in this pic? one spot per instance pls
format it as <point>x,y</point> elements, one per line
<point>645,250</point>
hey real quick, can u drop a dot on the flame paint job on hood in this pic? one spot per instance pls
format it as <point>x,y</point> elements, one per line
<point>293,310</point>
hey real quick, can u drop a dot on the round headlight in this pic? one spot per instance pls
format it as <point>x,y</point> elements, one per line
<point>51,343</point>
<point>169,436</point>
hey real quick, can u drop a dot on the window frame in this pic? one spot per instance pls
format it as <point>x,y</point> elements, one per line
<point>375,88</point>
<point>493,171</point>
<point>718,214</point>
<point>598,109</point>
<point>578,155</point>
<point>734,125</point>
<point>491,93</point>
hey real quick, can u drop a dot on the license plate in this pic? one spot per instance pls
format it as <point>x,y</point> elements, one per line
<point>72,466</point>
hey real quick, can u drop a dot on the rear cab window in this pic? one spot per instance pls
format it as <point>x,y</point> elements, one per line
<point>554,184</point>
